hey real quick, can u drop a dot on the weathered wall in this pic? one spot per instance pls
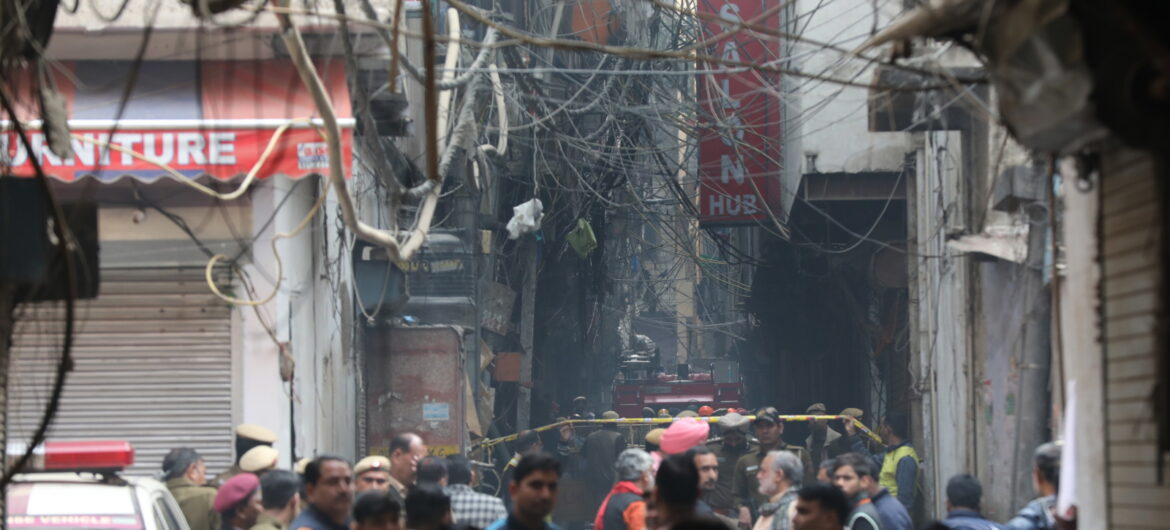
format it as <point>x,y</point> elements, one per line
<point>833,119</point>
<point>312,312</point>
<point>1014,320</point>
<point>940,319</point>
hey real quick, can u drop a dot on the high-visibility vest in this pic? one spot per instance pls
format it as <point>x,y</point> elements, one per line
<point>889,475</point>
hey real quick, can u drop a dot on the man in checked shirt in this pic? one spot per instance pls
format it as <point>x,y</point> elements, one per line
<point>468,506</point>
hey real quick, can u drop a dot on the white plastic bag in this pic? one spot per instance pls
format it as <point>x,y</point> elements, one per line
<point>525,218</point>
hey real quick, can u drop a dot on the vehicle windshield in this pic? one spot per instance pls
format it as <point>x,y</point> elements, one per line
<point>72,506</point>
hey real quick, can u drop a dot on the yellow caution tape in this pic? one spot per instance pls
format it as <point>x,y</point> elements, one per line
<point>658,421</point>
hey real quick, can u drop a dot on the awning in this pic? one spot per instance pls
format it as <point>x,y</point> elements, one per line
<point>205,118</point>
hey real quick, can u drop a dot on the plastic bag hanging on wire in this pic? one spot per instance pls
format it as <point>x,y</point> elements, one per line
<point>582,238</point>
<point>525,219</point>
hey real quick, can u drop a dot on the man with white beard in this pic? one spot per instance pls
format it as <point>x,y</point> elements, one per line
<point>779,474</point>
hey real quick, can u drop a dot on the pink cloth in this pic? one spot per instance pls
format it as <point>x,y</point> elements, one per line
<point>656,456</point>
<point>684,434</point>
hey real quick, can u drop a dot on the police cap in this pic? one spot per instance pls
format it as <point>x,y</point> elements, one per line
<point>259,458</point>
<point>372,463</point>
<point>733,421</point>
<point>851,411</point>
<point>251,431</point>
<point>768,414</point>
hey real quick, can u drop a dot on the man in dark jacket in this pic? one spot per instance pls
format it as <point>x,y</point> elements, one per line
<point>600,451</point>
<point>892,514</point>
<point>329,490</point>
<point>964,495</point>
<point>850,474</point>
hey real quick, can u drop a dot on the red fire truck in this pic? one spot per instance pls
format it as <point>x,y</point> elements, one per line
<point>636,386</point>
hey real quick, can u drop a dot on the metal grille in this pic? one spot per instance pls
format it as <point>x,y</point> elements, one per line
<point>443,269</point>
<point>152,365</point>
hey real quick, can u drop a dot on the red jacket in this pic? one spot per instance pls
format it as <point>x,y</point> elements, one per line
<point>622,509</point>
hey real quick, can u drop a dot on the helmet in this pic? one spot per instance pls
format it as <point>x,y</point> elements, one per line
<point>706,410</point>
<point>664,412</point>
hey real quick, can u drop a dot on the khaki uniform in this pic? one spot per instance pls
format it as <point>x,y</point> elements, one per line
<point>820,452</point>
<point>195,502</point>
<point>268,522</point>
<point>398,492</point>
<point>223,477</point>
<point>747,488</point>
<point>723,496</point>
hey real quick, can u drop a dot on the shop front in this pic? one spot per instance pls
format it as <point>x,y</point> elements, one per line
<point>195,159</point>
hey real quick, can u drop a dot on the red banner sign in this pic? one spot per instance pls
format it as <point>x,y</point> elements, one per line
<point>221,154</point>
<point>740,115</point>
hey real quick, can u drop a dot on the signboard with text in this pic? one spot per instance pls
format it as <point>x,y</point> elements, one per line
<point>143,153</point>
<point>739,113</point>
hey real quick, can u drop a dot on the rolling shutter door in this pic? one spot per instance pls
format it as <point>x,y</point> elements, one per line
<point>152,365</point>
<point>1132,265</point>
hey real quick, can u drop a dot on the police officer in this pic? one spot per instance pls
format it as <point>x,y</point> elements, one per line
<point>654,441</point>
<point>185,474</point>
<point>768,428</point>
<point>248,436</point>
<point>259,460</point>
<point>820,436</point>
<point>581,409</point>
<point>734,443</point>
<point>843,444</point>
<point>599,452</point>
<point>373,473</point>
<point>238,502</point>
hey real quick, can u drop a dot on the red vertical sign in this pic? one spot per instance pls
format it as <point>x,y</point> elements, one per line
<point>740,113</point>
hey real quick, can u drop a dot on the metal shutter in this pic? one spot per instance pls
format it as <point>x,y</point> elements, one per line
<point>1132,268</point>
<point>152,365</point>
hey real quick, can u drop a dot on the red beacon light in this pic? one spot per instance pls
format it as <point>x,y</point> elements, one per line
<point>95,455</point>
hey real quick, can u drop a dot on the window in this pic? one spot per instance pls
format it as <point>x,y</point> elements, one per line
<point>164,515</point>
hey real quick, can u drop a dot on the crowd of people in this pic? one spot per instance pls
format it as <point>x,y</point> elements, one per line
<point>739,476</point>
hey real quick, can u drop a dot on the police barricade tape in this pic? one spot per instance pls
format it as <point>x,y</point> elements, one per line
<point>660,421</point>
